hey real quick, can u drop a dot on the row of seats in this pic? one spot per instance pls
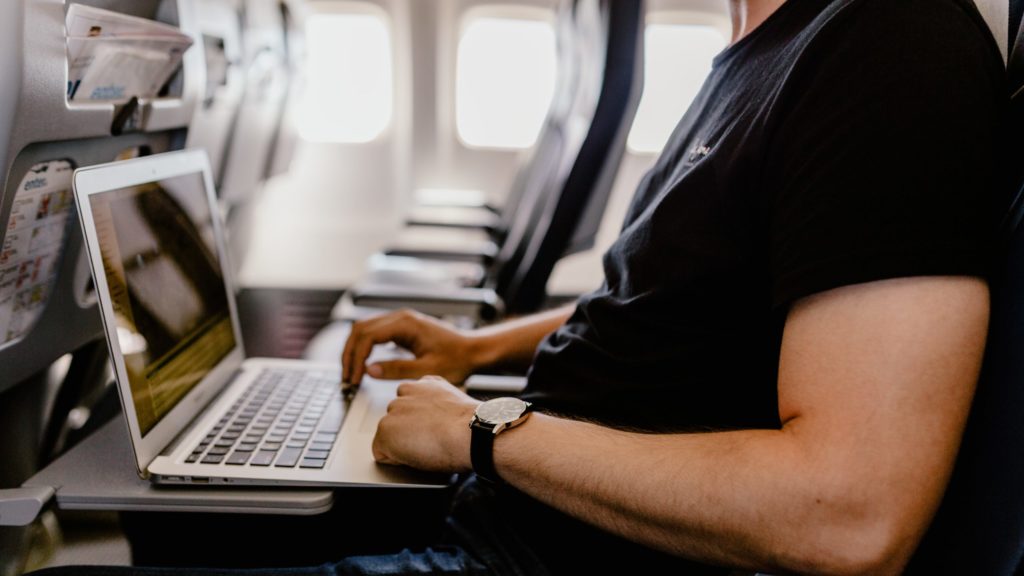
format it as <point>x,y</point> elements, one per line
<point>481,263</point>
<point>228,98</point>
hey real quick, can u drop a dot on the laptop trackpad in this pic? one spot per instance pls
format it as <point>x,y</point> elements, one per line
<point>378,406</point>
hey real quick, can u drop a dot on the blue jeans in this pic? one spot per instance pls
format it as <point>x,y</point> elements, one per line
<point>476,542</point>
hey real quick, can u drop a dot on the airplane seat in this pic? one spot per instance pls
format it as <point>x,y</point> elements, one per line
<point>52,355</point>
<point>979,528</point>
<point>589,183</point>
<point>215,119</point>
<point>611,80</point>
<point>481,214</point>
<point>248,161</point>
<point>481,246</point>
<point>286,142</point>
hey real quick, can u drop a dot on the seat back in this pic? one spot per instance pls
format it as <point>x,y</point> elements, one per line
<point>611,85</point>
<point>221,25</point>
<point>979,528</point>
<point>537,167</point>
<point>47,306</point>
<point>265,61</point>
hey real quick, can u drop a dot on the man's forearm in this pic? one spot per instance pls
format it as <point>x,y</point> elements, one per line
<point>511,345</point>
<point>751,499</point>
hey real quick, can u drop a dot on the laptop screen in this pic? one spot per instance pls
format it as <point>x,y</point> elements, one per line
<point>167,287</point>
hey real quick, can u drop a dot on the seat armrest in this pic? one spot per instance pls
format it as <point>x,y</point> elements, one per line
<point>454,198</point>
<point>482,255</point>
<point>21,506</point>
<point>480,303</point>
<point>448,217</point>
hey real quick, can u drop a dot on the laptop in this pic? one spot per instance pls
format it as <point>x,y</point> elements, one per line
<point>197,410</point>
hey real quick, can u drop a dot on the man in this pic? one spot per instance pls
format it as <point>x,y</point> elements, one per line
<point>777,370</point>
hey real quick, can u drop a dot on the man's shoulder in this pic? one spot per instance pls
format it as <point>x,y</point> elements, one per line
<point>915,23</point>
<point>898,41</point>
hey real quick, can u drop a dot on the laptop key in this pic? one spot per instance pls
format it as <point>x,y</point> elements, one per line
<point>262,458</point>
<point>213,459</point>
<point>289,458</point>
<point>271,446</point>
<point>218,451</point>
<point>312,463</point>
<point>321,446</point>
<point>246,447</point>
<point>318,454</point>
<point>192,458</point>
<point>238,458</point>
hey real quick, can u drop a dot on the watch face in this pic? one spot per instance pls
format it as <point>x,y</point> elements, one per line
<point>501,410</point>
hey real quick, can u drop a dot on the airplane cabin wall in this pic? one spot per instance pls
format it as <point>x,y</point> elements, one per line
<point>441,159</point>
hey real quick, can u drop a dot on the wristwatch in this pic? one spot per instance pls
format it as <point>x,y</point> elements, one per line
<point>492,418</point>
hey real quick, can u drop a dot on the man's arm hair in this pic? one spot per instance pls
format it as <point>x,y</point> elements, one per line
<point>875,384</point>
<point>512,344</point>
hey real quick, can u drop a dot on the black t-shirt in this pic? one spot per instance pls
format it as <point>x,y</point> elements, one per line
<point>841,142</point>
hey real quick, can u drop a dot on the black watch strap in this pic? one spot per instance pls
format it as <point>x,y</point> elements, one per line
<point>481,452</point>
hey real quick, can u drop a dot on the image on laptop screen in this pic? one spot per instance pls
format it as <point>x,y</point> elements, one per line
<point>165,280</point>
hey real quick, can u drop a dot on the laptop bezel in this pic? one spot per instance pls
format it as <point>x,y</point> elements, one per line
<point>114,176</point>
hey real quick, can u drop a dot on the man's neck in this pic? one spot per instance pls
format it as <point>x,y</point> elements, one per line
<point>747,15</point>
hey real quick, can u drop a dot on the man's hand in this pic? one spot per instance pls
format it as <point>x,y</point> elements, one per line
<point>440,349</point>
<point>427,427</point>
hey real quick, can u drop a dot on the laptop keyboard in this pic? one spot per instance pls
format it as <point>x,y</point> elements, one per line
<point>285,419</point>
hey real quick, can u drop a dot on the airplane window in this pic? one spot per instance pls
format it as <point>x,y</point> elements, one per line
<point>505,80</point>
<point>678,59</point>
<point>349,95</point>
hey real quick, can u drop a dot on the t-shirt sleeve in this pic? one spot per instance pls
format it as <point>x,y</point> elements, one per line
<point>883,164</point>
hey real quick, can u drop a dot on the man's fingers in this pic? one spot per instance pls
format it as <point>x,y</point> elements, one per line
<point>360,352</point>
<point>379,455</point>
<point>360,330</point>
<point>389,329</point>
<point>397,369</point>
<point>346,353</point>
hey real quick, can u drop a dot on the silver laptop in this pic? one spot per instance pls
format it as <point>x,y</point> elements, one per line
<point>197,410</point>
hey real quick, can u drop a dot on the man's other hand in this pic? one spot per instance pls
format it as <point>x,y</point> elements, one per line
<point>439,349</point>
<point>427,427</point>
